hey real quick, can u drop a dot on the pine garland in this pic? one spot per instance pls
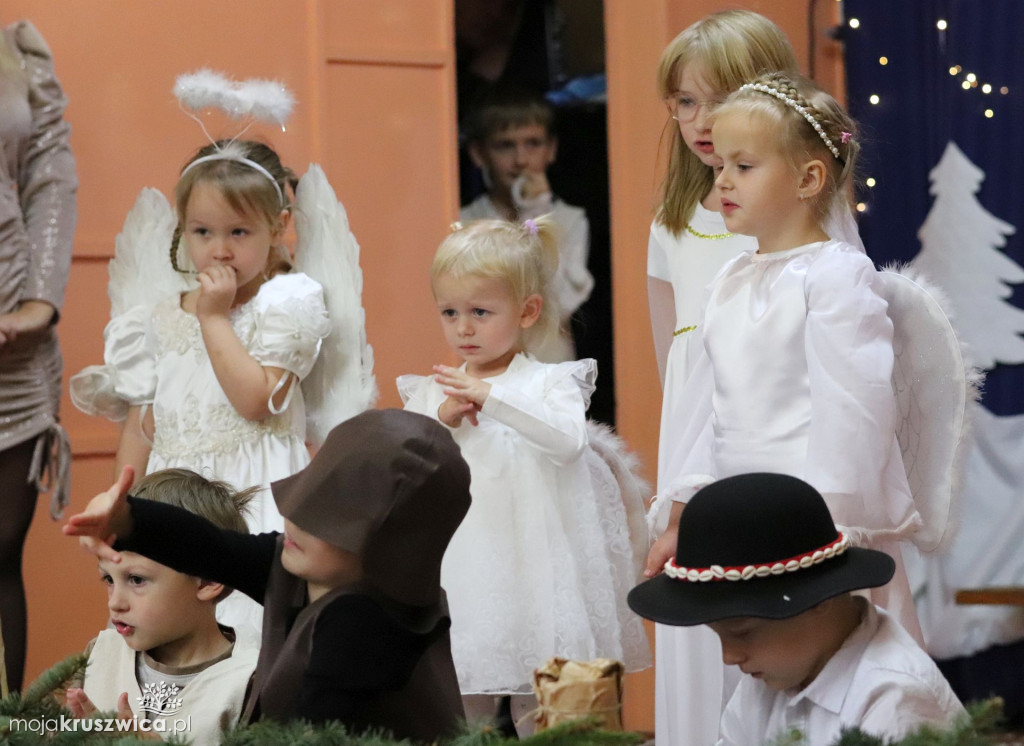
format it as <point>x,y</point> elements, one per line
<point>41,701</point>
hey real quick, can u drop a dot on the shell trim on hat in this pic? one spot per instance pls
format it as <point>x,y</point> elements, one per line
<point>747,572</point>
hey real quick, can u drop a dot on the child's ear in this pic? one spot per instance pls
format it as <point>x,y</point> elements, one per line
<point>813,175</point>
<point>531,311</point>
<point>207,590</point>
<point>476,154</point>
<point>552,149</point>
<point>282,224</point>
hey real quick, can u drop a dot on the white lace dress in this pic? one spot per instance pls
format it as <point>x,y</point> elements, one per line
<point>155,356</point>
<point>542,562</point>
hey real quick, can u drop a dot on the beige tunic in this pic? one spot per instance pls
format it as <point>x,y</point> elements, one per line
<point>37,220</point>
<point>210,703</point>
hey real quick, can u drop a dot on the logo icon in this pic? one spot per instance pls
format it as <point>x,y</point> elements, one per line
<point>160,699</point>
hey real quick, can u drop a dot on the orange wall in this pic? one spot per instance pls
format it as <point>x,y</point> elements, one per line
<point>374,83</point>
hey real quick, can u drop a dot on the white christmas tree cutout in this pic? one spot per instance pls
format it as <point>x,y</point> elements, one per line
<point>960,251</point>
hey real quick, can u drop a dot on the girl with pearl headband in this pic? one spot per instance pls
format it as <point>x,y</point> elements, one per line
<point>796,369</point>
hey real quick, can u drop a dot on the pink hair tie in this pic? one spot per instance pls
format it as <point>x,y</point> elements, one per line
<point>531,226</point>
<point>844,137</point>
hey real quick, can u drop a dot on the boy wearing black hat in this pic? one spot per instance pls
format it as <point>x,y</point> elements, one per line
<point>759,560</point>
<point>355,624</point>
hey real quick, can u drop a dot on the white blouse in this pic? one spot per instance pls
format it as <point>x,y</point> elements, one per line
<point>880,681</point>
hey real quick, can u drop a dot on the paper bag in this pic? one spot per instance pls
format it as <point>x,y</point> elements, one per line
<point>569,690</point>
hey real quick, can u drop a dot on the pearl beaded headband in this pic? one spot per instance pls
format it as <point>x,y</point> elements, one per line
<point>717,572</point>
<point>801,110</point>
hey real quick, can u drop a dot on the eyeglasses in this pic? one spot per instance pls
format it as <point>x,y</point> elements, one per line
<point>684,107</point>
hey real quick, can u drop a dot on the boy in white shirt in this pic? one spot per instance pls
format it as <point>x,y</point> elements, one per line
<point>511,139</point>
<point>760,561</point>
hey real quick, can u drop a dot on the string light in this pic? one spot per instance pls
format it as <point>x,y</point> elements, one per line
<point>861,207</point>
<point>870,181</point>
<point>883,60</point>
<point>874,98</point>
<point>955,70</point>
<point>854,23</point>
<point>965,85</point>
<point>941,24</point>
<point>972,77</point>
<point>1004,90</point>
<point>987,88</point>
<point>989,113</point>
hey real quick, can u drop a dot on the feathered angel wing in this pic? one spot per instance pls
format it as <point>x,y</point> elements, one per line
<point>341,383</point>
<point>934,384</point>
<point>632,487</point>
<point>141,272</point>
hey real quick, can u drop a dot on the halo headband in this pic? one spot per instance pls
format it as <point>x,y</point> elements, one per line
<point>801,110</point>
<point>225,155</point>
<point>250,100</point>
<point>793,564</point>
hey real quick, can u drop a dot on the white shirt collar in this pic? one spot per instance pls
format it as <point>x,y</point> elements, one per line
<point>830,687</point>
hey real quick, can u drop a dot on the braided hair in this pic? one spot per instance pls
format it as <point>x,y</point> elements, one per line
<point>810,123</point>
<point>244,188</point>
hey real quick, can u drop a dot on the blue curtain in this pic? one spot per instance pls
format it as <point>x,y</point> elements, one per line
<point>953,80</point>
<point>921,107</point>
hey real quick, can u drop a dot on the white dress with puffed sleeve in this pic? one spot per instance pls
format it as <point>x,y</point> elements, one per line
<point>542,562</point>
<point>156,357</point>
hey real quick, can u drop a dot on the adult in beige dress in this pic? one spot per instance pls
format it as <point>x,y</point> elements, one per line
<point>37,220</point>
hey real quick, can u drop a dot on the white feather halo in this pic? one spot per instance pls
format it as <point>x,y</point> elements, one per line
<point>266,100</point>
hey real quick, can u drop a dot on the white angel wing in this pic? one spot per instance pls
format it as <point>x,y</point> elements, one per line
<point>341,383</point>
<point>933,384</point>
<point>633,488</point>
<point>141,272</point>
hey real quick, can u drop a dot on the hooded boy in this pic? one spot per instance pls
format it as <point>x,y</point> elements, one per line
<point>355,622</point>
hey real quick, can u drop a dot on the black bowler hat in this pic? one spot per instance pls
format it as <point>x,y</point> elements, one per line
<point>757,545</point>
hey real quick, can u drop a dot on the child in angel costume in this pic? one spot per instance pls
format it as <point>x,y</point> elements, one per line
<point>212,329</point>
<point>804,342</point>
<point>542,562</point>
<point>688,245</point>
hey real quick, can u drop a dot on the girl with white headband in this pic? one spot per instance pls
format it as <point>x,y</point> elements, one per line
<point>204,360</point>
<point>797,361</point>
<point>210,375</point>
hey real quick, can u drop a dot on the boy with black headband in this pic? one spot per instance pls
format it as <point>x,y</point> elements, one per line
<point>355,624</point>
<point>759,560</point>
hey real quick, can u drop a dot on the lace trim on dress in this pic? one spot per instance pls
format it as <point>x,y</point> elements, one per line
<point>220,430</point>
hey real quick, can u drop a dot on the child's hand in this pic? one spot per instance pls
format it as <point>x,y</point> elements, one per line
<point>663,550</point>
<point>217,287</point>
<point>461,385</point>
<point>452,411</point>
<point>532,184</point>
<point>79,703</point>
<point>106,517</point>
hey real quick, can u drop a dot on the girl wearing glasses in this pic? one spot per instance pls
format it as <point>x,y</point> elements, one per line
<point>689,243</point>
